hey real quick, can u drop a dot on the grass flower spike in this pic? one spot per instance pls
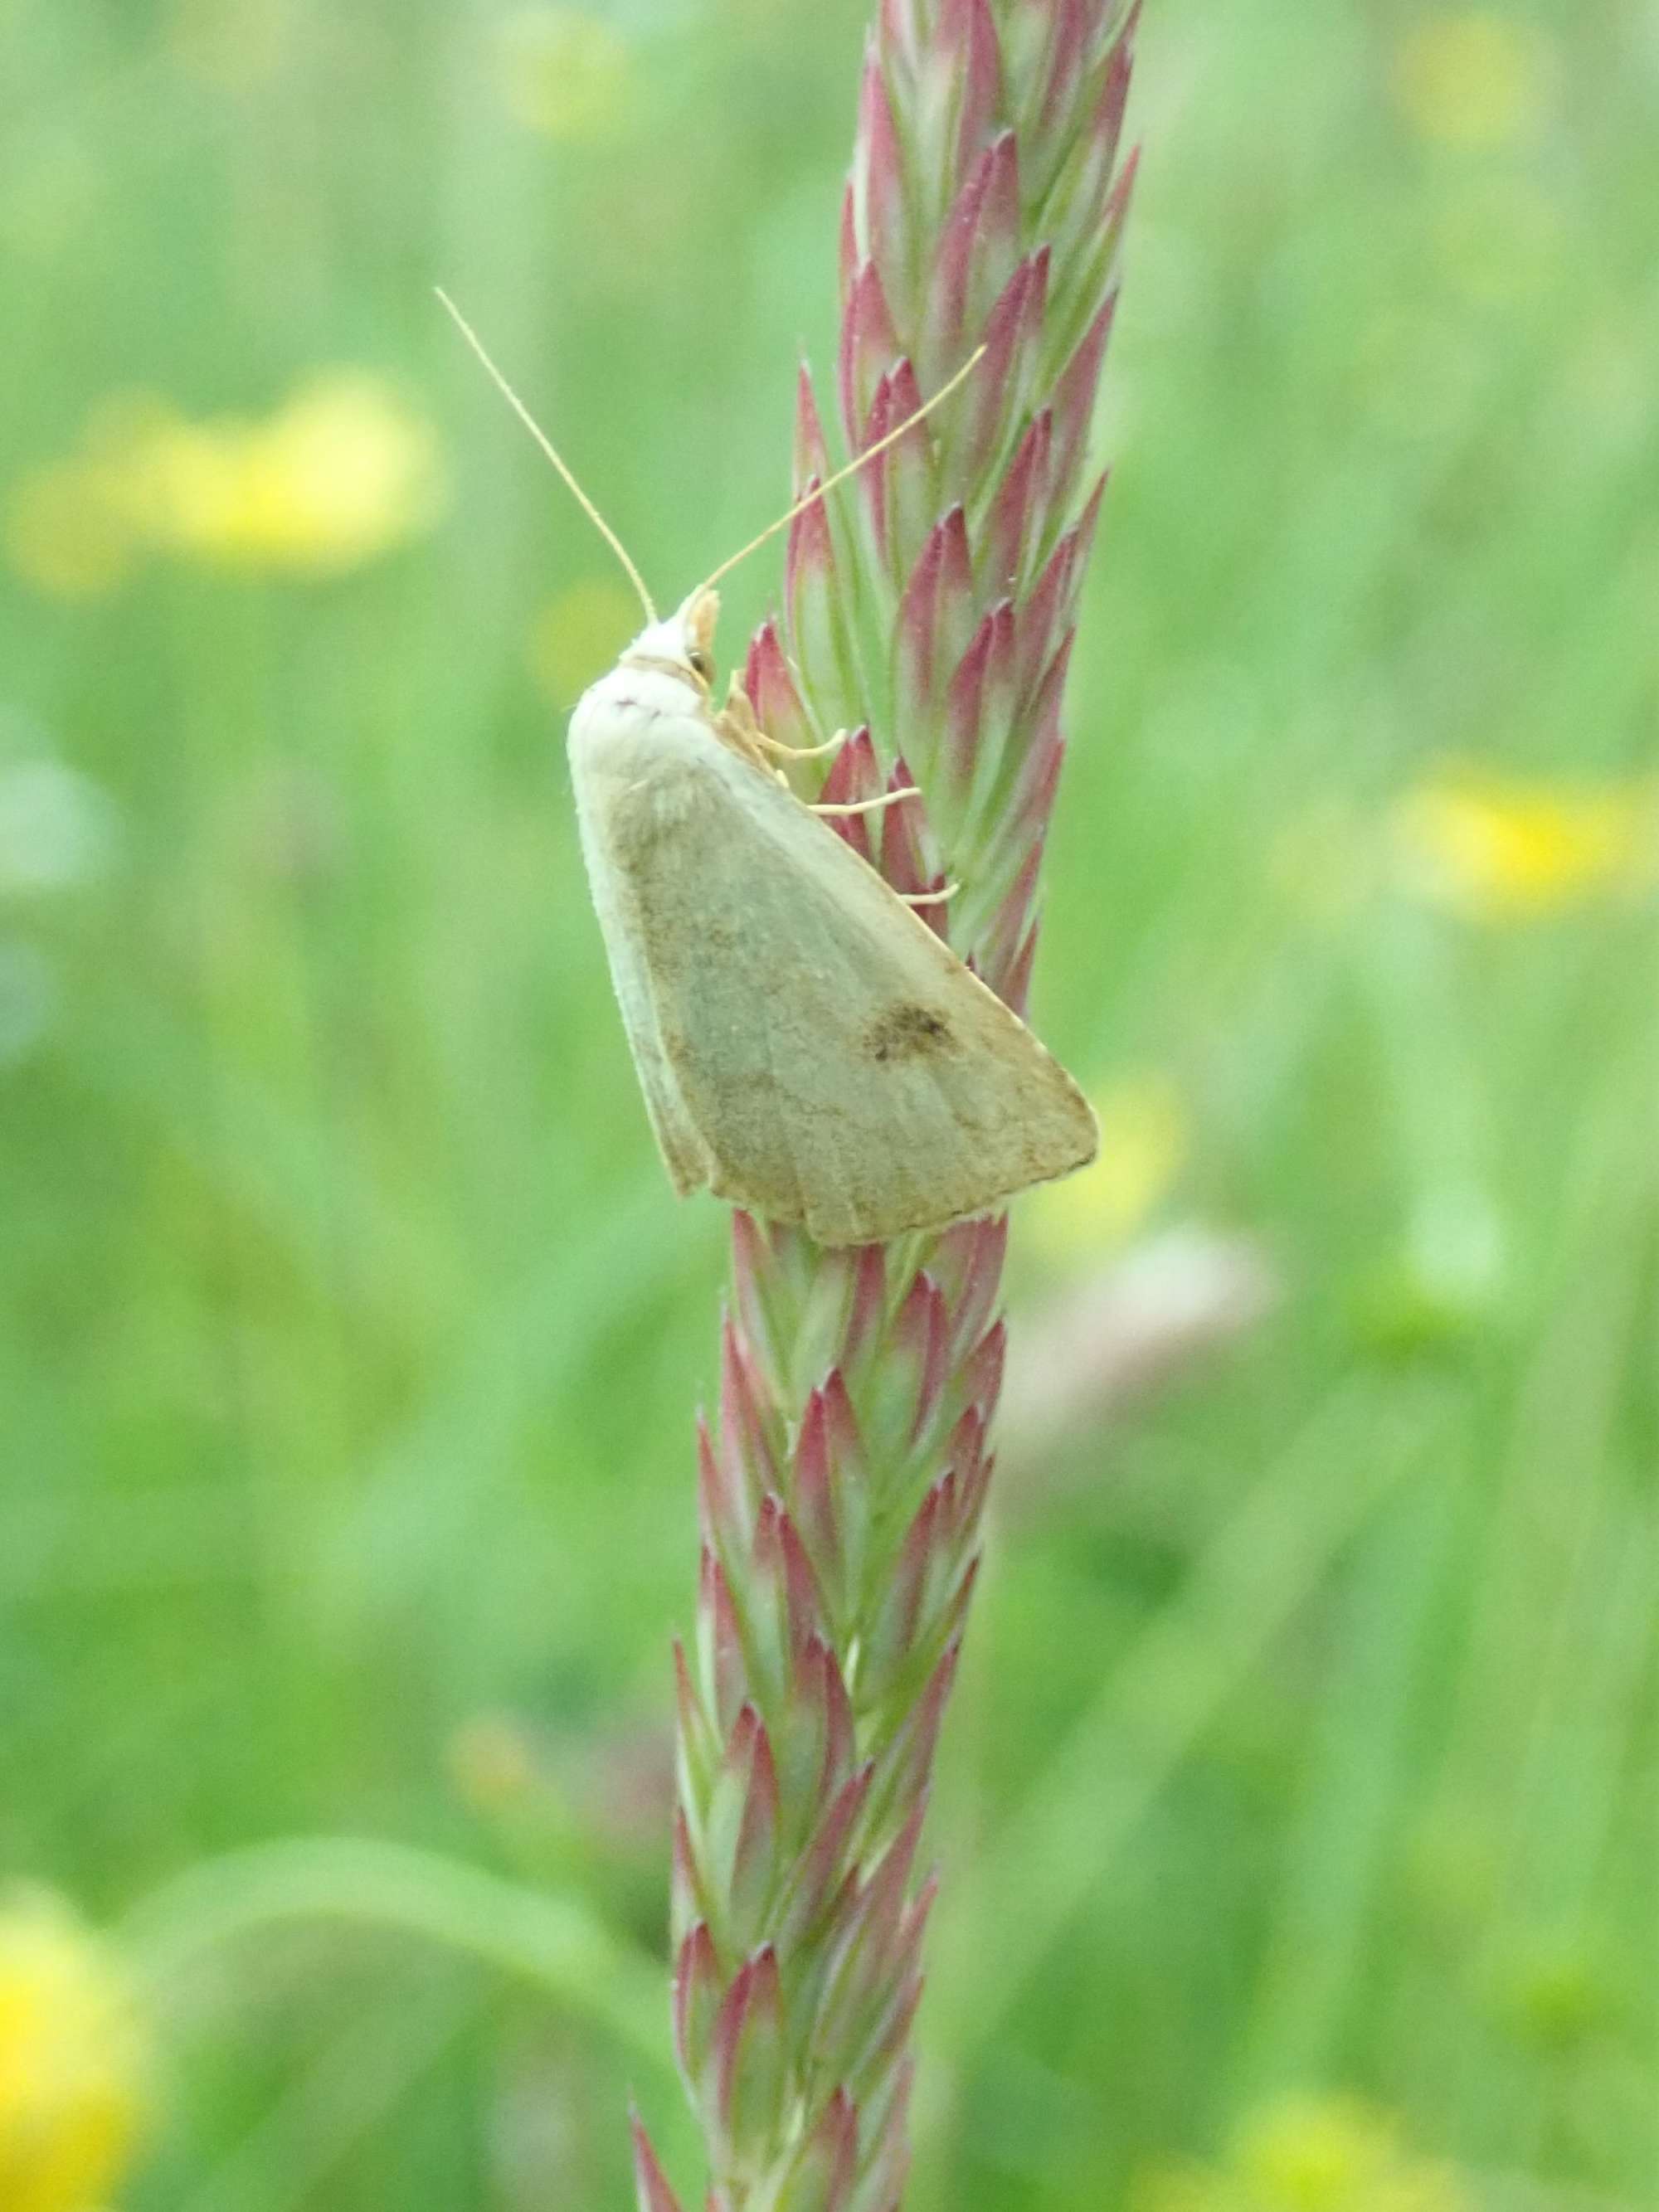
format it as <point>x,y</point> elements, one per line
<point>929,608</point>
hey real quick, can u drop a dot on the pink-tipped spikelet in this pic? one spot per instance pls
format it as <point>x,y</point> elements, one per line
<point>930,609</point>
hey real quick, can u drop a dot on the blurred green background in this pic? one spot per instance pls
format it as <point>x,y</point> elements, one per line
<point>1298,1818</point>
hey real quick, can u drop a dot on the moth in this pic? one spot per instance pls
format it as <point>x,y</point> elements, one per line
<point>808,1047</point>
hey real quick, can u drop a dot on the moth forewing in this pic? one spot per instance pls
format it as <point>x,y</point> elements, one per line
<point>809,1048</point>
<point>603,739</point>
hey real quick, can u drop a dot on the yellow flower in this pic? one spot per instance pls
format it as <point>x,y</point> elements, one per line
<point>1310,2154</point>
<point>341,473</point>
<point>1143,1143</point>
<point>564,73</point>
<point>1502,848</point>
<point>72,2061</point>
<point>1336,2154</point>
<point>1474,79</point>
<point>578,635</point>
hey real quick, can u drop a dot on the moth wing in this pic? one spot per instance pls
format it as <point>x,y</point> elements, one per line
<point>832,1061</point>
<point>690,1165</point>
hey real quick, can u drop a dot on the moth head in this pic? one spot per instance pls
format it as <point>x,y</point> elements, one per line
<point>684,643</point>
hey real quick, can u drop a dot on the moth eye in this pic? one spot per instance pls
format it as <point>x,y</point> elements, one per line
<point>701,665</point>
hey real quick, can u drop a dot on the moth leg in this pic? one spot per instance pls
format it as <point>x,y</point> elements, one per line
<point>929,898</point>
<point>871,806</point>
<point>801,752</point>
<point>740,725</point>
<point>737,728</point>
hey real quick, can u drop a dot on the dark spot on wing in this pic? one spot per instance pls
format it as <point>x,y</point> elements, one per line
<point>907,1033</point>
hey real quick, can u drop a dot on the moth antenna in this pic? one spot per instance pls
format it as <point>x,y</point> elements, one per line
<point>551,452</point>
<point>851,469</point>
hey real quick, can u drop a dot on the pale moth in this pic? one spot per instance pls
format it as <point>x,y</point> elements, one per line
<point>808,1048</point>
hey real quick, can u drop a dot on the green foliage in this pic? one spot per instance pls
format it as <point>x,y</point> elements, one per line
<point>350,1330</point>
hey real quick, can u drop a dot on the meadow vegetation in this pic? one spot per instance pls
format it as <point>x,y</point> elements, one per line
<point>1297,1816</point>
